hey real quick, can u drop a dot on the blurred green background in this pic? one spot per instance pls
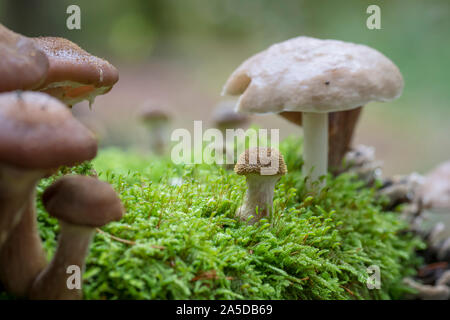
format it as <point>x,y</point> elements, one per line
<point>180,52</point>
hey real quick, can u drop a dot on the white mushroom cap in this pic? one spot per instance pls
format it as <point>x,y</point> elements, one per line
<point>311,75</point>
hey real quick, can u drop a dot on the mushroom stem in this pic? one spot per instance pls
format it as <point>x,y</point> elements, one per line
<point>22,256</point>
<point>15,187</point>
<point>341,126</point>
<point>53,282</point>
<point>158,135</point>
<point>315,150</point>
<point>258,200</point>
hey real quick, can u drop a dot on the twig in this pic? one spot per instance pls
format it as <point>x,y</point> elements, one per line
<point>116,238</point>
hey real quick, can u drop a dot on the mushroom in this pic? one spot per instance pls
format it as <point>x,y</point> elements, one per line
<point>81,204</point>
<point>74,74</point>
<point>225,117</point>
<point>22,65</point>
<point>156,119</point>
<point>314,77</point>
<point>435,191</point>
<point>37,135</point>
<point>262,168</point>
<point>341,126</point>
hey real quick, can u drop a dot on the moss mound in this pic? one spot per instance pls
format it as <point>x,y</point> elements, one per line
<point>180,240</point>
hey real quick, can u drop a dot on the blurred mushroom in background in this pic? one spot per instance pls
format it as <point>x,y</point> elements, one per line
<point>22,65</point>
<point>435,191</point>
<point>440,291</point>
<point>361,161</point>
<point>225,117</point>
<point>74,75</point>
<point>156,119</point>
<point>314,77</point>
<point>38,134</point>
<point>81,204</point>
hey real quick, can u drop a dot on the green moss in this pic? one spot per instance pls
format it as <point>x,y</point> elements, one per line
<point>186,244</point>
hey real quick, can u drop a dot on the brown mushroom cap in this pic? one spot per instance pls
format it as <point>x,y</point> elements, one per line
<point>38,131</point>
<point>250,162</point>
<point>74,74</point>
<point>154,114</point>
<point>224,114</point>
<point>83,200</point>
<point>22,65</point>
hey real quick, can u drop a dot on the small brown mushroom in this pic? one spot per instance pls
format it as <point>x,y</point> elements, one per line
<point>225,117</point>
<point>22,65</point>
<point>262,168</point>
<point>74,74</point>
<point>156,119</point>
<point>37,135</point>
<point>81,204</point>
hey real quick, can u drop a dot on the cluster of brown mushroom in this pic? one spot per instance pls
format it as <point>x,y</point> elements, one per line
<point>38,134</point>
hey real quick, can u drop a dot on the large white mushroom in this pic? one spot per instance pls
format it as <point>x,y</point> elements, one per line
<point>315,77</point>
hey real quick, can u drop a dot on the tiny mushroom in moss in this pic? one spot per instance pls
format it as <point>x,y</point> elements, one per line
<point>435,191</point>
<point>38,134</point>
<point>314,77</point>
<point>156,119</point>
<point>22,65</point>
<point>262,168</point>
<point>74,75</point>
<point>81,204</point>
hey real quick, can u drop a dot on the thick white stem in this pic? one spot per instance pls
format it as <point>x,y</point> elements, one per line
<point>315,150</point>
<point>258,200</point>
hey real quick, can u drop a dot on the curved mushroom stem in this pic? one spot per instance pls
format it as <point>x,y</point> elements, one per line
<point>54,282</point>
<point>22,256</point>
<point>16,185</point>
<point>258,200</point>
<point>315,150</point>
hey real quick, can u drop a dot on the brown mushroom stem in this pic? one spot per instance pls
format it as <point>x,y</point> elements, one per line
<point>52,282</point>
<point>22,256</point>
<point>159,136</point>
<point>341,126</point>
<point>258,200</point>
<point>16,186</point>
